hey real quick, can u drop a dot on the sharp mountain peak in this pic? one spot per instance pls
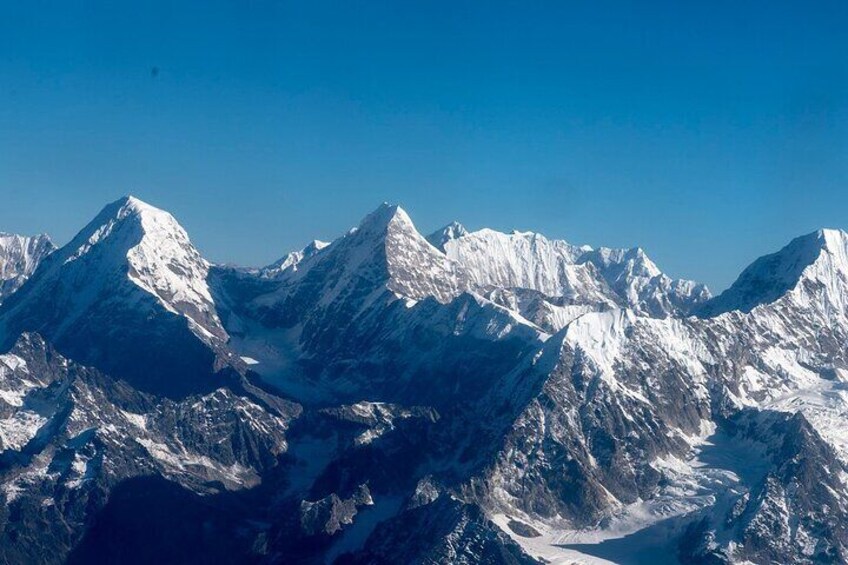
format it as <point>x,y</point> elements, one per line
<point>820,256</point>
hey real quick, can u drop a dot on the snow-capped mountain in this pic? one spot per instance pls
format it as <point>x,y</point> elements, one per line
<point>709,466</point>
<point>19,257</point>
<point>364,292</point>
<point>439,238</point>
<point>130,285</point>
<point>383,253</point>
<point>468,397</point>
<point>811,272</point>
<point>643,287</point>
<point>387,247</point>
<point>567,274</point>
<point>291,260</point>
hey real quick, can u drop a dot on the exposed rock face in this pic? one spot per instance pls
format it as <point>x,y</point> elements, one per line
<point>70,435</point>
<point>471,397</point>
<point>444,531</point>
<point>330,514</point>
<point>795,513</point>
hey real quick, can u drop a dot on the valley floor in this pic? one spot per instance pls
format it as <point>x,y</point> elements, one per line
<point>646,533</point>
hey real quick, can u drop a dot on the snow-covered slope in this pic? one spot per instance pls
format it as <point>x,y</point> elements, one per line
<point>526,260</point>
<point>19,257</point>
<point>385,252</point>
<point>643,287</point>
<point>440,237</point>
<point>130,241</point>
<point>601,277</point>
<point>383,260</point>
<point>291,260</point>
<point>813,265</point>
<point>128,295</point>
<point>161,261</point>
<point>387,245</point>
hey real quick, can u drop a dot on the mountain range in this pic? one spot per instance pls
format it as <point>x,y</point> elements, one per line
<point>393,397</point>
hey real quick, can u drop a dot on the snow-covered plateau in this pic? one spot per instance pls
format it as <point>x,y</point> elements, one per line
<point>390,397</point>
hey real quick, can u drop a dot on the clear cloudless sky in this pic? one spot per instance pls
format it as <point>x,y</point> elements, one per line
<point>708,133</point>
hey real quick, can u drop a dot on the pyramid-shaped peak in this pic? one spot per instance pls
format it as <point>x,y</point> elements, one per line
<point>441,236</point>
<point>385,251</point>
<point>455,229</point>
<point>130,206</point>
<point>128,222</point>
<point>131,241</point>
<point>804,250</point>
<point>818,255</point>
<point>385,215</point>
<point>291,261</point>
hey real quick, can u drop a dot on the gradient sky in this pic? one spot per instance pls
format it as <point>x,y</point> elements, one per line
<point>708,133</point>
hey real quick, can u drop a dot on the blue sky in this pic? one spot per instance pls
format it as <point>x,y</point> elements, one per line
<point>708,133</point>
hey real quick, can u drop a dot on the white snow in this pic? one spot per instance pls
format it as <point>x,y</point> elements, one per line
<point>291,262</point>
<point>137,420</point>
<point>183,461</point>
<point>522,260</point>
<point>810,272</point>
<point>17,430</point>
<point>718,469</point>
<point>135,242</point>
<point>601,335</point>
<point>19,257</point>
<point>825,404</point>
<point>166,264</point>
<point>602,277</point>
<point>78,472</point>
